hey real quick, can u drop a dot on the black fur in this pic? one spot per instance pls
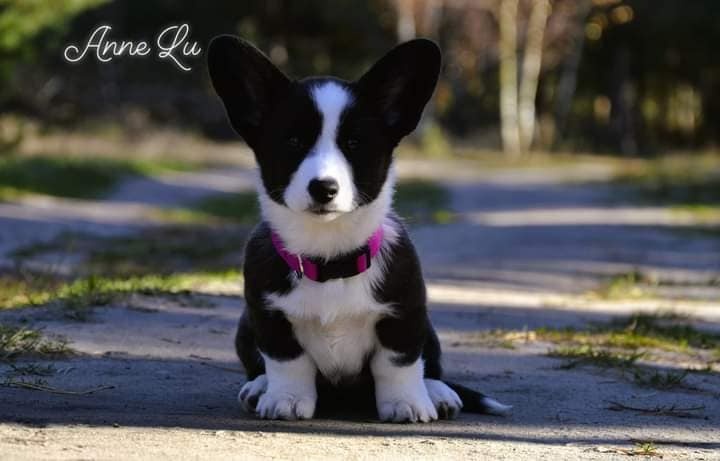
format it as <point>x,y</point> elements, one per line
<point>278,119</point>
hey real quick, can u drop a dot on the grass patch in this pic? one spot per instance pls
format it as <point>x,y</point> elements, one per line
<point>587,355</point>
<point>77,295</point>
<point>659,379</point>
<point>168,251</point>
<point>639,331</point>
<point>167,261</point>
<point>17,342</point>
<point>18,288</point>
<point>423,201</point>
<point>685,180</point>
<point>665,332</point>
<point>630,285</point>
<point>645,449</point>
<point>620,344</point>
<point>81,178</point>
<point>240,207</point>
<point>162,251</point>
<point>626,363</point>
<point>97,290</point>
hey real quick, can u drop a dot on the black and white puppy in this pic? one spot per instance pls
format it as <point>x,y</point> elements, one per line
<point>334,291</point>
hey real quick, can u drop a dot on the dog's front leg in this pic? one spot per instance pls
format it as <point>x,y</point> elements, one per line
<point>400,389</point>
<point>291,392</point>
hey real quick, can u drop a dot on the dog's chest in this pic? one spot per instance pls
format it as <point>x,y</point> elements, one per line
<point>334,321</point>
<point>338,348</point>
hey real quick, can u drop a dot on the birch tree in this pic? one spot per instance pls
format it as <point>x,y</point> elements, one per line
<point>518,91</point>
<point>507,47</point>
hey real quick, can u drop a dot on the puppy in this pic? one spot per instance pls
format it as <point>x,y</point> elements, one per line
<point>335,294</point>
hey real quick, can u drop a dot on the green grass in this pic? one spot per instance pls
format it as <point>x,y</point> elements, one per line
<point>664,332</point>
<point>423,201</point>
<point>240,207</point>
<point>682,180</point>
<point>76,296</point>
<point>79,295</point>
<point>71,177</point>
<point>645,449</point>
<point>659,379</point>
<point>625,362</point>
<point>588,355</point>
<point>164,250</point>
<point>18,342</point>
<point>620,344</point>
<point>18,288</point>
<point>630,285</point>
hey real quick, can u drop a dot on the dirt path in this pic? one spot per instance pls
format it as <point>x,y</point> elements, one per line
<point>161,376</point>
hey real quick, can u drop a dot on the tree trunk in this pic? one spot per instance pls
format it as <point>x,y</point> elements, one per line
<point>532,61</point>
<point>405,26</point>
<point>509,129</point>
<point>568,78</point>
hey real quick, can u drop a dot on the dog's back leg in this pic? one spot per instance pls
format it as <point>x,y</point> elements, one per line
<point>247,349</point>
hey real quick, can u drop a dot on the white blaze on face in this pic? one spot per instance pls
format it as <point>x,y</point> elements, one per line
<point>325,160</point>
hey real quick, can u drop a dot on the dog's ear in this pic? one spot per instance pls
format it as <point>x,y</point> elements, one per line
<point>246,81</point>
<point>401,83</point>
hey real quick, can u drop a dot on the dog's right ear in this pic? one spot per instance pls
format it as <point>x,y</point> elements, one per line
<point>246,81</point>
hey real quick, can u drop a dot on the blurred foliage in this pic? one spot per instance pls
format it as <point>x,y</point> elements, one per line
<point>70,177</point>
<point>628,76</point>
<point>686,180</point>
<point>21,21</point>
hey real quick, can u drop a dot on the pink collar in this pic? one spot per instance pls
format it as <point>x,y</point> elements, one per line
<point>320,270</point>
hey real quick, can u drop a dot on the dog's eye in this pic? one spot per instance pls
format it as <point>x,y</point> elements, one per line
<point>352,144</point>
<point>294,142</point>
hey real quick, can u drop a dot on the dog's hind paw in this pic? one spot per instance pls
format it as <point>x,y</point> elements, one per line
<point>284,405</point>
<point>446,401</point>
<point>251,392</point>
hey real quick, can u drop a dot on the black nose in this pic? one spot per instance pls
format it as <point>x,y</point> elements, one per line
<point>323,190</point>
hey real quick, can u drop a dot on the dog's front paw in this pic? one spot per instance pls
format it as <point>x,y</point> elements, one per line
<point>405,402</point>
<point>286,405</point>
<point>407,409</point>
<point>251,391</point>
<point>446,401</point>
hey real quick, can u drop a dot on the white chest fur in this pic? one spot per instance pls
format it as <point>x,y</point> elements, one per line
<point>340,347</point>
<point>334,321</point>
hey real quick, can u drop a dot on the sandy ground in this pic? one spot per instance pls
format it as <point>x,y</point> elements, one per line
<point>157,378</point>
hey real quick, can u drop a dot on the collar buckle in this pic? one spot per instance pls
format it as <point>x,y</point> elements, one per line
<point>300,272</point>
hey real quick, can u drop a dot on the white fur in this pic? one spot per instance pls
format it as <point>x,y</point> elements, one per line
<point>338,348</point>
<point>291,392</point>
<point>400,391</point>
<point>443,398</point>
<point>325,160</point>
<point>334,321</point>
<point>496,408</point>
<point>252,390</point>
<point>305,233</point>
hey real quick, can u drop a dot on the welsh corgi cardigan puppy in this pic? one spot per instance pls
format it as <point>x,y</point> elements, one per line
<point>335,295</point>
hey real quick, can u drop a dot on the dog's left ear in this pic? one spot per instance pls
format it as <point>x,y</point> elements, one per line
<point>400,84</point>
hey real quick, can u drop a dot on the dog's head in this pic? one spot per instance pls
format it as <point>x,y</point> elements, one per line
<point>324,145</point>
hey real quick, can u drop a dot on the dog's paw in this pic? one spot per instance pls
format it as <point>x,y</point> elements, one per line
<point>407,409</point>
<point>446,401</point>
<point>405,404</point>
<point>286,405</point>
<point>251,392</point>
